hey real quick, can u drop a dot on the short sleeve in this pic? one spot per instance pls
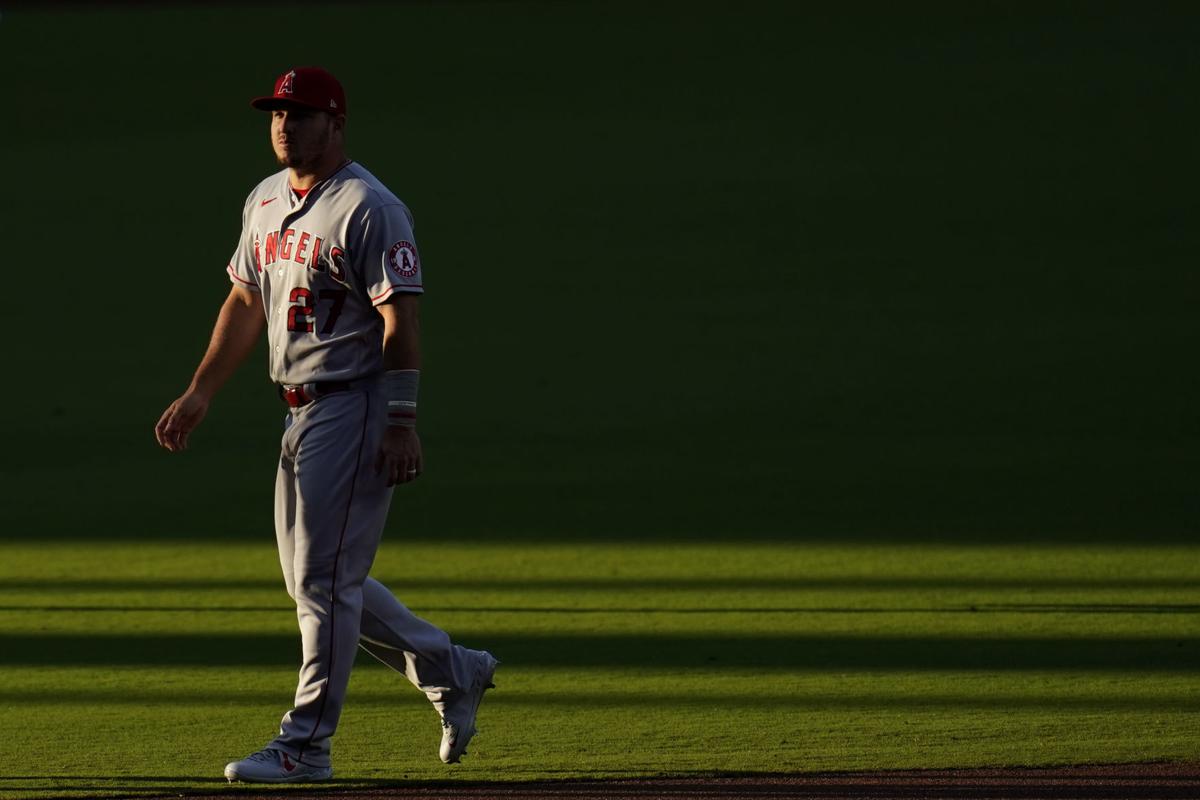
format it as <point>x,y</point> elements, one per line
<point>389,257</point>
<point>243,267</point>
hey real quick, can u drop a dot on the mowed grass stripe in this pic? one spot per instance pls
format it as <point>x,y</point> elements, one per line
<point>651,583</point>
<point>403,563</point>
<point>651,652</point>
<point>980,608</point>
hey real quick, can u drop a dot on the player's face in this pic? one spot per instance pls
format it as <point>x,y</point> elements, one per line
<point>301,137</point>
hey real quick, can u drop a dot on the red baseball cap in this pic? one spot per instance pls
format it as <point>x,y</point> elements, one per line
<point>311,87</point>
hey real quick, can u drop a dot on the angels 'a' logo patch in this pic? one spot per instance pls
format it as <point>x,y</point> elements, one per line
<point>403,258</point>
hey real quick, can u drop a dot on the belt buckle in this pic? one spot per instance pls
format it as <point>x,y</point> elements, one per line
<point>295,396</point>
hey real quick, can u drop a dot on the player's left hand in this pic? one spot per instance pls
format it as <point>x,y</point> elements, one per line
<point>400,455</point>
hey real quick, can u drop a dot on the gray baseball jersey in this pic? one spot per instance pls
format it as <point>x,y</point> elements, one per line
<point>322,262</point>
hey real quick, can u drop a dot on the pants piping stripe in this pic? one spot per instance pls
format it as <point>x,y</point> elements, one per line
<point>333,587</point>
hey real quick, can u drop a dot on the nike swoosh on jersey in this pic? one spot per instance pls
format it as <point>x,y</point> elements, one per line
<point>264,202</point>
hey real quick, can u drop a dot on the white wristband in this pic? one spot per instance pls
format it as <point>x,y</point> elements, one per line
<point>400,390</point>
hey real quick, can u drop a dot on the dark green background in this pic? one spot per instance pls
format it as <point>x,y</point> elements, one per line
<point>743,271</point>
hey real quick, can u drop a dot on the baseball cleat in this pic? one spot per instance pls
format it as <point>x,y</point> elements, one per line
<point>274,766</point>
<point>458,719</point>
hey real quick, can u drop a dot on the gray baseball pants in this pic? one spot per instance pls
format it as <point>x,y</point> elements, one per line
<point>330,507</point>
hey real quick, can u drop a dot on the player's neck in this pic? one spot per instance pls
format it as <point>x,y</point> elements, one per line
<point>309,176</point>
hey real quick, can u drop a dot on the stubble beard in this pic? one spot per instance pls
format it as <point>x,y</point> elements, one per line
<point>292,160</point>
<point>301,161</point>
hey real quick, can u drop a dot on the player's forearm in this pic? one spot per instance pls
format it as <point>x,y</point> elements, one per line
<point>402,335</point>
<point>238,326</point>
<point>402,351</point>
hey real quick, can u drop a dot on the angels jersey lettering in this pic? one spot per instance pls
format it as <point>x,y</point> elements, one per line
<point>322,262</point>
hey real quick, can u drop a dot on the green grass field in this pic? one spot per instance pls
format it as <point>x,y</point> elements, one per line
<point>805,388</point>
<point>135,668</point>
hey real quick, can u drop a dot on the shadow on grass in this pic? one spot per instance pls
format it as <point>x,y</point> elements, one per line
<point>113,780</point>
<point>662,651</point>
<point>972,583</point>
<point>982,608</point>
<point>1175,781</point>
<point>189,609</point>
<point>796,701</point>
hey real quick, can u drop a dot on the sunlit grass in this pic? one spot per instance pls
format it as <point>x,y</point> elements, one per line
<point>145,667</point>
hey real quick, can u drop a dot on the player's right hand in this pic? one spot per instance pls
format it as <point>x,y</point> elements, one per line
<point>180,419</point>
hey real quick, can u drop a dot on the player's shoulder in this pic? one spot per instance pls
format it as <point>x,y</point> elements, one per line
<point>270,186</point>
<point>355,182</point>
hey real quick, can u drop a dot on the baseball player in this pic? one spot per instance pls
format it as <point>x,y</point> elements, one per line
<point>327,264</point>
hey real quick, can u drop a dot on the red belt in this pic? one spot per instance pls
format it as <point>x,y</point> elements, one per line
<point>300,396</point>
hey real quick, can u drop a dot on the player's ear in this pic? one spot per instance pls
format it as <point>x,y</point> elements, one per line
<point>339,123</point>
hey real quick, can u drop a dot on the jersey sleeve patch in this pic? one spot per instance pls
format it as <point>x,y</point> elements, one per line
<point>402,258</point>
